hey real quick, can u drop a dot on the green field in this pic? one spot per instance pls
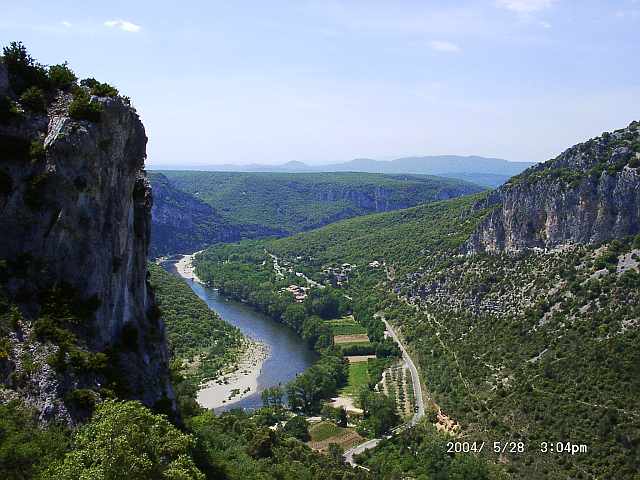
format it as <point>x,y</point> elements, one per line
<point>323,430</point>
<point>350,344</point>
<point>345,326</point>
<point>358,376</point>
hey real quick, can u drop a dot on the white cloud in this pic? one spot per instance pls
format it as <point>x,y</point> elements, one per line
<point>443,46</point>
<point>66,24</point>
<point>123,25</point>
<point>525,6</point>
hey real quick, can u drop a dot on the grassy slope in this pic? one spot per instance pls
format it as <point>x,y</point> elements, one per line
<point>358,377</point>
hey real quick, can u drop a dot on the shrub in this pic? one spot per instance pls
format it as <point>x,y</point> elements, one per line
<point>24,72</point>
<point>83,108</point>
<point>61,76</point>
<point>33,99</point>
<point>34,193</point>
<point>5,348</point>
<point>8,109</point>
<point>99,89</point>
<point>27,448</point>
<point>126,440</point>
<point>298,427</point>
<point>36,150</point>
<point>81,398</point>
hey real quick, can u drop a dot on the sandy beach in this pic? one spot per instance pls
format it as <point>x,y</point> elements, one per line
<point>239,380</point>
<point>185,267</point>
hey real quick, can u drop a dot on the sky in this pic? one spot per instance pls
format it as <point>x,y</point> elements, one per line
<point>323,81</point>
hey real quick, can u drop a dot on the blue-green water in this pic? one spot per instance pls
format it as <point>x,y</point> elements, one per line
<point>288,354</point>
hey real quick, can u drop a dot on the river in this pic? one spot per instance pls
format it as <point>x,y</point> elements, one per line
<point>288,355</point>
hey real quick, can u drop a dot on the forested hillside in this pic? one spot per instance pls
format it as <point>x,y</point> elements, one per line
<point>199,340</point>
<point>181,222</point>
<point>258,205</point>
<point>535,346</point>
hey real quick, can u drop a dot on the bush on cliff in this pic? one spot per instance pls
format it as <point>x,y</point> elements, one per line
<point>24,71</point>
<point>99,89</point>
<point>83,108</point>
<point>62,76</point>
<point>8,109</point>
<point>33,99</point>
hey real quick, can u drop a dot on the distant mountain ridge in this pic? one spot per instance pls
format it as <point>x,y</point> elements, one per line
<point>485,171</point>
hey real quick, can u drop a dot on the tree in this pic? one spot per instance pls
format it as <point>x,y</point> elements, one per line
<point>468,467</point>
<point>379,411</point>
<point>127,440</point>
<point>33,99</point>
<point>26,448</point>
<point>261,444</point>
<point>304,392</point>
<point>272,396</point>
<point>342,417</point>
<point>298,427</point>
<point>335,452</point>
<point>62,76</point>
<point>24,71</point>
<point>294,316</point>
<point>324,302</point>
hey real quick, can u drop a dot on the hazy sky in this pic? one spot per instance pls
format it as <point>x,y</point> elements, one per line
<point>324,81</point>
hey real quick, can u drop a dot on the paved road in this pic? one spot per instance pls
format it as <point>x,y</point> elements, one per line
<point>417,391</point>
<point>415,379</point>
<point>348,455</point>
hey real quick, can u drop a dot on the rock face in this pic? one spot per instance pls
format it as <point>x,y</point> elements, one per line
<point>373,199</point>
<point>588,194</point>
<point>182,223</point>
<point>81,210</point>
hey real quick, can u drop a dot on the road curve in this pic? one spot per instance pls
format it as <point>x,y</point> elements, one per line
<point>417,392</point>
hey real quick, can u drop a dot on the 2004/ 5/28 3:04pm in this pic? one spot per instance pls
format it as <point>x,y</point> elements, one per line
<point>518,447</point>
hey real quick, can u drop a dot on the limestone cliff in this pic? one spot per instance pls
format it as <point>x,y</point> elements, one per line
<point>588,194</point>
<point>182,223</point>
<point>75,220</point>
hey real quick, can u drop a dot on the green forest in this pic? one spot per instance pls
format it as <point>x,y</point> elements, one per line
<point>293,202</point>
<point>549,362</point>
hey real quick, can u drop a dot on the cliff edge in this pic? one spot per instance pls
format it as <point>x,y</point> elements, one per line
<point>79,318</point>
<point>588,194</point>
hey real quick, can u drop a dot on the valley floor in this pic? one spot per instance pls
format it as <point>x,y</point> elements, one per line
<point>241,379</point>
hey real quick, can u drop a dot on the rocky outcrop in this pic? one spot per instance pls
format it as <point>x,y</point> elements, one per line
<point>77,213</point>
<point>588,194</point>
<point>182,223</point>
<point>374,199</point>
